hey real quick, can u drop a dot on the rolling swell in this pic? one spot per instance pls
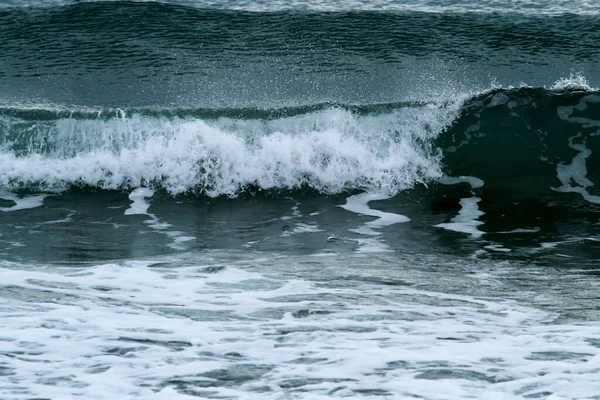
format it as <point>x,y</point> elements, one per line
<point>170,54</point>
<point>523,143</point>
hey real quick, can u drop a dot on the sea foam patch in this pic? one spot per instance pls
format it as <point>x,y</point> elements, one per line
<point>140,206</point>
<point>360,204</point>
<point>467,220</point>
<point>21,203</point>
<point>139,329</point>
<point>576,172</point>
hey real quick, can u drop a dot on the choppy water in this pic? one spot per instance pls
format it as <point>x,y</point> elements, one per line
<point>302,200</point>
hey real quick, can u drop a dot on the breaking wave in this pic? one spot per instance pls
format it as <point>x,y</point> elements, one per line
<point>513,136</point>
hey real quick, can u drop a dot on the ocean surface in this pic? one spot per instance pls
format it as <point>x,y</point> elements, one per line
<point>300,200</point>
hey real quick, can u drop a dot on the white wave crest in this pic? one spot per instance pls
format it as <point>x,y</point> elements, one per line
<point>330,151</point>
<point>573,82</point>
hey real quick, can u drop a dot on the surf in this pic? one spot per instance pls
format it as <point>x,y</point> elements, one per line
<point>330,148</point>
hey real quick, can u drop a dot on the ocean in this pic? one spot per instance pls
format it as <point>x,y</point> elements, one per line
<point>299,199</point>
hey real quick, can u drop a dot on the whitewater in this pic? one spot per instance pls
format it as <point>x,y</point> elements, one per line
<point>306,200</point>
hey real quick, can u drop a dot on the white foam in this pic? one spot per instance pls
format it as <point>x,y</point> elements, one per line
<point>140,205</point>
<point>467,219</point>
<point>21,203</point>
<point>499,99</point>
<point>302,228</point>
<point>330,150</point>
<point>178,239</point>
<point>566,112</point>
<point>573,82</point>
<point>453,180</point>
<point>573,175</point>
<point>135,330</point>
<point>549,245</point>
<point>66,219</point>
<point>359,204</point>
<point>576,173</point>
<point>295,211</point>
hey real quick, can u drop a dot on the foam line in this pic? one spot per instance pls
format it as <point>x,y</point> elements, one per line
<point>467,219</point>
<point>21,203</point>
<point>475,182</point>
<point>576,172</point>
<point>139,205</point>
<point>359,204</point>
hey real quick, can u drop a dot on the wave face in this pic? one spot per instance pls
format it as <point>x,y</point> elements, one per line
<point>528,140</point>
<point>218,99</point>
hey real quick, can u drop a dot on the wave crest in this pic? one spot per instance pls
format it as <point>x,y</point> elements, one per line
<point>330,151</point>
<point>495,135</point>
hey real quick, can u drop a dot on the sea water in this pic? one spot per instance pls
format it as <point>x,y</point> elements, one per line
<point>299,200</point>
